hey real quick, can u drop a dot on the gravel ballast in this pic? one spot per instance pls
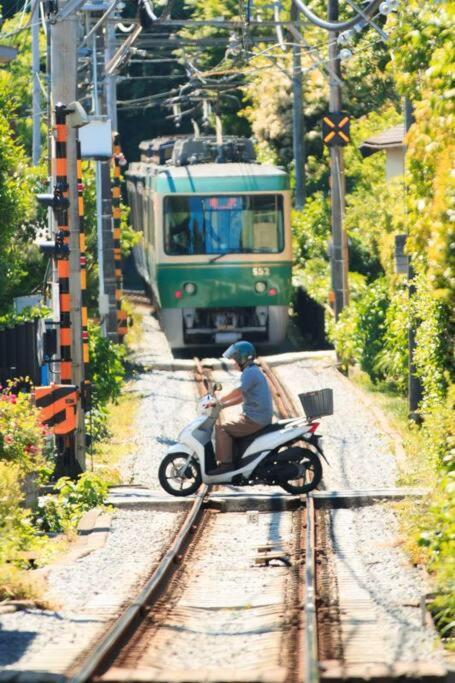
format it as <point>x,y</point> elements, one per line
<point>360,456</point>
<point>168,403</point>
<point>228,622</point>
<point>86,594</point>
<point>379,592</point>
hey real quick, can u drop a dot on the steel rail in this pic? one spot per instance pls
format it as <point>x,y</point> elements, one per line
<point>154,586</point>
<point>151,590</point>
<point>282,400</point>
<point>309,670</point>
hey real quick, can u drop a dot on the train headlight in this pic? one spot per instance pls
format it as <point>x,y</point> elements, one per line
<point>190,288</point>
<point>260,287</point>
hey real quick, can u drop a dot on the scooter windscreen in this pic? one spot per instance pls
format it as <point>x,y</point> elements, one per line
<point>204,404</point>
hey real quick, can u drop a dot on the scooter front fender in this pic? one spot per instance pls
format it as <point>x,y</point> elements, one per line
<point>180,448</point>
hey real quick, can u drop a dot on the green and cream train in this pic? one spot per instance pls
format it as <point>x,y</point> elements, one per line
<point>216,240</point>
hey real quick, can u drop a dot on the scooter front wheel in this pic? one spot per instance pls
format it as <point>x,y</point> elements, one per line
<point>177,476</point>
<point>310,473</point>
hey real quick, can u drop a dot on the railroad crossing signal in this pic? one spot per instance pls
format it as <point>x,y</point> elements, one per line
<point>335,129</point>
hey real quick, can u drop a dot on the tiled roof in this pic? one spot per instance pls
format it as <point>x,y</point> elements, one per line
<point>7,53</point>
<point>392,137</point>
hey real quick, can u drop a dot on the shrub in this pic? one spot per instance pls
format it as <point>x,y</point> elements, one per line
<point>392,360</point>
<point>311,230</point>
<point>21,432</point>
<point>360,331</point>
<point>62,512</point>
<point>433,356</point>
<point>106,372</point>
<point>106,367</point>
<point>16,531</point>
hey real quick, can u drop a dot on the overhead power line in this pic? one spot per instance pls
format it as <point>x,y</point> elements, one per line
<point>336,25</point>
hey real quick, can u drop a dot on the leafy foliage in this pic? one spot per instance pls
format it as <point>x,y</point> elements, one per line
<point>128,236</point>
<point>17,205</point>
<point>62,512</point>
<point>21,266</point>
<point>21,432</point>
<point>106,368</point>
<point>26,315</point>
<point>106,373</point>
<point>16,530</point>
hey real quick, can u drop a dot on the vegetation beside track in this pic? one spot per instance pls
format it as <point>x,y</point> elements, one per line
<point>372,332</point>
<point>28,530</point>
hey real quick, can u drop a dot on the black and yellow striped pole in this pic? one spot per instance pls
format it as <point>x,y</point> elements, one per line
<point>85,389</point>
<point>116,215</point>
<point>60,162</point>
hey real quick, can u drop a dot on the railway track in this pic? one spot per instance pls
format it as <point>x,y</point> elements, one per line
<point>232,581</point>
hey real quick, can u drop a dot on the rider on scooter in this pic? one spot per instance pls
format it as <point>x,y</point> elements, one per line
<point>257,411</point>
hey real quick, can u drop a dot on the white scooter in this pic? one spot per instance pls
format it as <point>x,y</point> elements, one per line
<point>285,453</point>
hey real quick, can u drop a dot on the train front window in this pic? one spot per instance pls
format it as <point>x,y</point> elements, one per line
<point>239,224</point>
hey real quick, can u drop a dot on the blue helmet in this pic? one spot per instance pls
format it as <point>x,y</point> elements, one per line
<point>242,351</point>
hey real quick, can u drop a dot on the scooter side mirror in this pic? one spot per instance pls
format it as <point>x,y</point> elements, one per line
<point>217,386</point>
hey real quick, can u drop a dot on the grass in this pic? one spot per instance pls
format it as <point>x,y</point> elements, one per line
<point>135,330</point>
<point>17,584</point>
<point>108,454</point>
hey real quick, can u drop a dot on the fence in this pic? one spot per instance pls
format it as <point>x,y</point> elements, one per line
<point>19,352</point>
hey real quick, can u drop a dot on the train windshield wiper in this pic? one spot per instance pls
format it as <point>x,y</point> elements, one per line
<point>225,253</point>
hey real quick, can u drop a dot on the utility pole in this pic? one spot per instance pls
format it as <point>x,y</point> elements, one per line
<point>63,36</point>
<point>106,263</point>
<point>297,119</point>
<point>415,390</point>
<point>111,79</point>
<point>339,251</point>
<point>36,94</point>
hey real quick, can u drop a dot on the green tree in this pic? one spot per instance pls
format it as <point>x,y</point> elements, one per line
<point>18,182</point>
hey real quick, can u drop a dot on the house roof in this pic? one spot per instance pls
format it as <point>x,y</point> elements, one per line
<point>7,53</point>
<point>388,139</point>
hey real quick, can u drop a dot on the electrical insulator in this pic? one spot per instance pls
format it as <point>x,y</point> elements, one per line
<point>345,53</point>
<point>384,8</point>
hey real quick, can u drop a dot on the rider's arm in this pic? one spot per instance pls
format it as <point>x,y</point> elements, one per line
<point>232,398</point>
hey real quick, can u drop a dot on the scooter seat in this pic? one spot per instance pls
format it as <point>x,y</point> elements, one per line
<point>241,445</point>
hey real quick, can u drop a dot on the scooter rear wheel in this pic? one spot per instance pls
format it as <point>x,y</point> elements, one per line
<point>178,478</point>
<point>311,473</point>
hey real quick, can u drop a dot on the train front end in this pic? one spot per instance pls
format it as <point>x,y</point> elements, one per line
<point>225,269</point>
<point>220,263</point>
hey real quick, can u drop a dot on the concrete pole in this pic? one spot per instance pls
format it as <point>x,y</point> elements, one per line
<point>108,252</point>
<point>298,123</point>
<point>111,80</point>
<point>106,264</point>
<point>36,94</point>
<point>339,255</point>
<point>415,389</point>
<point>64,90</point>
<point>108,108</point>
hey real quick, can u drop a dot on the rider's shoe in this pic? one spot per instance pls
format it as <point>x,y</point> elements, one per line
<point>221,469</point>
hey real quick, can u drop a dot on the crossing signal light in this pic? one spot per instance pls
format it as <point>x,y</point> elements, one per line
<point>56,201</point>
<point>56,249</point>
<point>335,129</point>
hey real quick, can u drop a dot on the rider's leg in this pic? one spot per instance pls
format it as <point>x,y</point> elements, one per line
<point>234,429</point>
